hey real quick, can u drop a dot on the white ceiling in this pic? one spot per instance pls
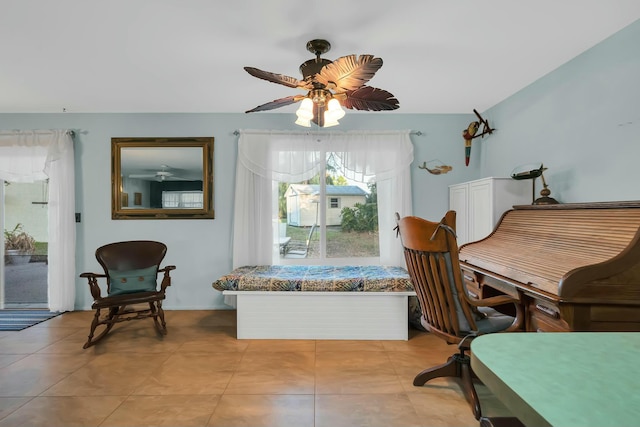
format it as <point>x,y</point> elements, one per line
<point>445,56</point>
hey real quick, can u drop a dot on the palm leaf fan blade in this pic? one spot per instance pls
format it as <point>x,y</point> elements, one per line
<point>276,103</point>
<point>369,98</point>
<point>349,72</point>
<point>277,78</point>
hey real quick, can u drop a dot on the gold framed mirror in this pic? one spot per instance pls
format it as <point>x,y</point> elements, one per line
<point>162,178</point>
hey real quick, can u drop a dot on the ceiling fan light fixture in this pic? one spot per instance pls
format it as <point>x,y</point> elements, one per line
<point>329,121</point>
<point>305,112</point>
<point>322,101</point>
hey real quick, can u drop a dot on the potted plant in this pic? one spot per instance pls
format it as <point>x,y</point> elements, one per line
<point>19,245</point>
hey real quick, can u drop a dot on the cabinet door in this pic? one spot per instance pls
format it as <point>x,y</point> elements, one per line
<point>458,203</point>
<point>480,209</point>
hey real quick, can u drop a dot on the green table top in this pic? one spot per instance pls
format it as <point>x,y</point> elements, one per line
<point>563,379</point>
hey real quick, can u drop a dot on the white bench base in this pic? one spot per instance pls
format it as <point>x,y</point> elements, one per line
<point>322,315</point>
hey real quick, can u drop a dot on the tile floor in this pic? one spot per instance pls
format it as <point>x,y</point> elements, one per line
<point>201,375</point>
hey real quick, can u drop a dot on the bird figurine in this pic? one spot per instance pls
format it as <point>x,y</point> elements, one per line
<point>468,135</point>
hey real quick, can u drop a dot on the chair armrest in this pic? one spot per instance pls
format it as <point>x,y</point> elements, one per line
<point>493,301</point>
<point>518,319</point>
<point>87,275</point>
<point>166,278</point>
<point>93,284</point>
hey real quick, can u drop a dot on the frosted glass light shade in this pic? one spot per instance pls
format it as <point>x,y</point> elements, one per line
<point>303,122</point>
<point>329,121</point>
<point>305,111</point>
<point>334,109</point>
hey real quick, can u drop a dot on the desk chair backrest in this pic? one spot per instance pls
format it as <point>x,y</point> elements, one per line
<point>431,255</point>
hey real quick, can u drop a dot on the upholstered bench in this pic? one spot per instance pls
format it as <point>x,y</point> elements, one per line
<point>320,302</point>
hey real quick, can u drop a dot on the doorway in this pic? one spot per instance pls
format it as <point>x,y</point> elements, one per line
<point>23,281</point>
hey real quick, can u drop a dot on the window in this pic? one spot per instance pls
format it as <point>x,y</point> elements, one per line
<point>346,224</point>
<point>50,150</point>
<point>182,199</point>
<point>271,163</point>
<point>25,210</point>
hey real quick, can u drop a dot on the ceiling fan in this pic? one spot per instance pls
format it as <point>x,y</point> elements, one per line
<point>344,80</point>
<point>162,175</point>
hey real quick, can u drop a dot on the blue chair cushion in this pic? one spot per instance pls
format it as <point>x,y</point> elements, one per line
<point>462,319</point>
<point>132,281</point>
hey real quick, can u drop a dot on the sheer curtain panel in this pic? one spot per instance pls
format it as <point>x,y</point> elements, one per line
<point>268,156</point>
<point>26,156</point>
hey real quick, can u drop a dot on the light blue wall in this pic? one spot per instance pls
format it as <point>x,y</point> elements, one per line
<point>582,120</point>
<point>201,249</point>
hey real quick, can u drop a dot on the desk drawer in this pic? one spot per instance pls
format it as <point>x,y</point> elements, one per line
<point>543,316</point>
<point>472,284</point>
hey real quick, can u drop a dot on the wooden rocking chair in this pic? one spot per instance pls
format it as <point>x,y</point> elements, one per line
<point>131,270</point>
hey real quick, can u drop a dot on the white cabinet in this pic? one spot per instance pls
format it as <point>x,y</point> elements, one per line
<point>479,204</point>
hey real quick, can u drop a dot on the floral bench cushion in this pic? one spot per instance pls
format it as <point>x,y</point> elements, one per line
<point>316,278</point>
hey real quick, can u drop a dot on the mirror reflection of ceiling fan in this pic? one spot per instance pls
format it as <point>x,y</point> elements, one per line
<point>164,174</point>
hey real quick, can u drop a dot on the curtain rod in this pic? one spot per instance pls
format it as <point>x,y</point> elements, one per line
<point>40,131</point>
<point>413,132</point>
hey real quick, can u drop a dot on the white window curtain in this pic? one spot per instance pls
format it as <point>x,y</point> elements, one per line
<point>26,156</point>
<point>264,157</point>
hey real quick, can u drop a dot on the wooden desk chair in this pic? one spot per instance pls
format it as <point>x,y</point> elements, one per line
<point>431,255</point>
<point>131,270</point>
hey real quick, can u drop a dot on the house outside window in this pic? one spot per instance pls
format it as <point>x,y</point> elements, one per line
<point>334,202</point>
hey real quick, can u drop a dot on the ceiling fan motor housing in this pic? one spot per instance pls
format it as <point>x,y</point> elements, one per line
<point>313,66</point>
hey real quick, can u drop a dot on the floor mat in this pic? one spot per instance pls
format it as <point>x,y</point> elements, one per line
<point>17,320</point>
